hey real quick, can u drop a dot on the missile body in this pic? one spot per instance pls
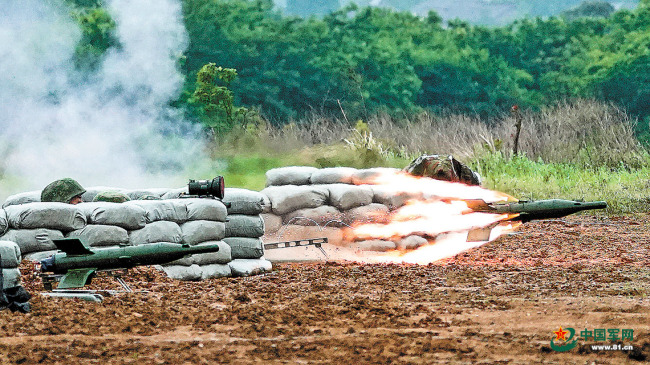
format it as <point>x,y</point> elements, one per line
<point>532,210</point>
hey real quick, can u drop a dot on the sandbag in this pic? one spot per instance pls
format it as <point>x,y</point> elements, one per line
<point>173,210</point>
<point>392,197</point>
<point>245,247</point>
<point>272,222</point>
<point>98,235</point>
<point>91,192</point>
<point>345,197</point>
<point>239,225</point>
<point>127,216</point>
<point>161,231</point>
<point>11,278</point>
<point>204,209</point>
<point>215,271</point>
<point>223,256</point>
<point>4,223</point>
<point>61,216</point>
<point>322,215</point>
<point>371,213</point>
<point>333,175</point>
<point>23,198</point>
<point>10,256</point>
<point>194,232</point>
<point>243,267</point>
<point>290,175</point>
<point>375,245</point>
<point>242,201</point>
<point>411,242</point>
<point>370,176</point>
<point>175,193</point>
<point>185,273</point>
<point>287,198</point>
<point>33,240</point>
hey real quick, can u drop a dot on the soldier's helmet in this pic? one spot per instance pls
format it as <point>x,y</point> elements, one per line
<point>111,196</point>
<point>62,190</point>
<point>149,197</point>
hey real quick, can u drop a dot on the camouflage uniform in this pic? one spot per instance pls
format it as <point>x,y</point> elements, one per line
<point>62,191</point>
<point>149,197</point>
<point>444,168</point>
<point>111,196</point>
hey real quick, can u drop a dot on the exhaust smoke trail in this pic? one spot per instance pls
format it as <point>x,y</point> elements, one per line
<point>114,127</point>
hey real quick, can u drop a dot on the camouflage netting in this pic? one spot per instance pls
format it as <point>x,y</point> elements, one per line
<point>146,217</point>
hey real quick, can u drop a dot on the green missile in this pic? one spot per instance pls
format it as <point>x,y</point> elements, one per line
<point>79,263</point>
<point>532,210</point>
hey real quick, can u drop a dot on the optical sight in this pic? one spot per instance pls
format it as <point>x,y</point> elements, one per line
<point>214,187</point>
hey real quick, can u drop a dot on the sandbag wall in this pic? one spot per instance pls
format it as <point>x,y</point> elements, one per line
<point>307,202</point>
<point>192,221</point>
<point>10,258</point>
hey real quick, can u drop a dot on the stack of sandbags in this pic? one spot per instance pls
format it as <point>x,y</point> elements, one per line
<point>33,226</point>
<point>10,258</point>
<point>190,221</point>
<point>244,227</point>
<point>307,202</point>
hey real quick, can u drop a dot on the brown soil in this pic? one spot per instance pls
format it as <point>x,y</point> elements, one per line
<point>498,303</point>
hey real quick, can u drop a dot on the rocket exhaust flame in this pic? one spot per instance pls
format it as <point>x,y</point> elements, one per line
<point>453,217</point>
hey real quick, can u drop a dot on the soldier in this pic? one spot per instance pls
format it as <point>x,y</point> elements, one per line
<point>111,196</point>
<point>64,191</point>
<point>444,168</point>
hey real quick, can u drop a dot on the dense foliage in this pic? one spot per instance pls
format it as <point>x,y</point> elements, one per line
<point>361,61</point>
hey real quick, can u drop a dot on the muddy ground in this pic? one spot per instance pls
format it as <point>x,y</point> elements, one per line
<point>499,303</point>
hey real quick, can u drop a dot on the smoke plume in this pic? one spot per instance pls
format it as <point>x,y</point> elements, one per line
<point>112,128</point>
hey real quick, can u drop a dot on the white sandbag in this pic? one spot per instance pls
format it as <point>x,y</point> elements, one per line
<point>23,198</point>
<point>244,267</point>
<point>33,240</point>
<point>287,198</point>
<point>371,176</point>
<point>411,242</point>
<point>375,245</point>
<point>371,213</point>
<point>212,271</point>
<point>9,254</point>
<point>194,232</point>
<point>239,225</point>
<point>272,222</point>
<point>185,273</point>
<point>333,175</point>
<point>99,235</point>
<point>127,216</point>
<point>139,194</point>
<point>4,223</point>
<point>91,192</point>
<point>345,197</point>
<point>290,175</point>
<point>392,197</point>
<point>322,215</point>
<point>245,247</point>
<point>223,256</point>
<point>175,193</point>
<point>160,231</point>
<point>61,216</point>
<point>293,232</point>
<point>242,201</point>
<point>173,210</point>
<point>204,209</point>
<point>38,256</point>
<point>11,278</point>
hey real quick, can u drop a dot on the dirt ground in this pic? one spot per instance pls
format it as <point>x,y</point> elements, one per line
<point>499,303</point>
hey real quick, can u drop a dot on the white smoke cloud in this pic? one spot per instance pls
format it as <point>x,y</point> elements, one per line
<point>113,128</point>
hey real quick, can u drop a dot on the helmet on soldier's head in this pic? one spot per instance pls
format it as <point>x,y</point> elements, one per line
<point>63,191</point>
<point>111,196</point>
